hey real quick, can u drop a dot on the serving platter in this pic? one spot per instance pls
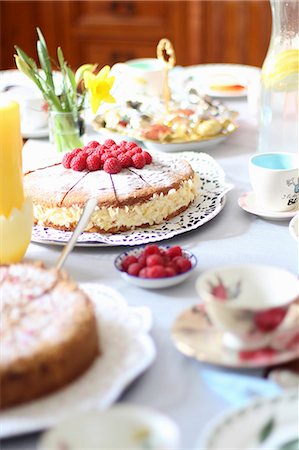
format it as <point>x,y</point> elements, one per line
<point>209,202</point>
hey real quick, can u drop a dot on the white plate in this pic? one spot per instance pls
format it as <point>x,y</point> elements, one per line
<point>205,207</point>
<point>35,134</point>
<point>138,428</point>
<point>127,350</point>
<point>294,227</point>
<point>264,424</point>
<point>248,203</point>
<point>201,77</point>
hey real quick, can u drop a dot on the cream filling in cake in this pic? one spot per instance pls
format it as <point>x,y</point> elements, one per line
<point>155,210</point>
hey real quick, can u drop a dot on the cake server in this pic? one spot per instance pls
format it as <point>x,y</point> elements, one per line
<point>83,221</point>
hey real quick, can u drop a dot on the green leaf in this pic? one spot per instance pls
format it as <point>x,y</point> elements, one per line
<point>45,62</point>
<point>72,79</point>
<point>266,430</point>
<point>290,445</point>
<point>26,58</point>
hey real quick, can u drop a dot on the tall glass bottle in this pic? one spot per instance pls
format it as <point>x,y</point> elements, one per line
<point>280,81</point>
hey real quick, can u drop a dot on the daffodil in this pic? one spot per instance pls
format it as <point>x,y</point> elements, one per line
<point>99,87</point>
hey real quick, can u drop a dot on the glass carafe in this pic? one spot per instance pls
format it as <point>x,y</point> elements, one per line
<point>279,81</point>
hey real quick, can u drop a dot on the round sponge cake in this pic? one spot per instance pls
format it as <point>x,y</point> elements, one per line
<point>129,199</point>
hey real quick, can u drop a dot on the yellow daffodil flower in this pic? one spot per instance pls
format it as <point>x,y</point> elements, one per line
<point>99,87</point>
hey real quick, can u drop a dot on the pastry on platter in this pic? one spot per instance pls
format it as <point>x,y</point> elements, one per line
<point>181,122</point>
<point>133,188</point>
<point>48,332</point>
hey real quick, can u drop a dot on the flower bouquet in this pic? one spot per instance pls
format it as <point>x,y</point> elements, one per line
<point>66,94</point>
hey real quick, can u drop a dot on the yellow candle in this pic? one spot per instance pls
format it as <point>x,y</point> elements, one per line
<point>16,212</point>
<point>11,185</point>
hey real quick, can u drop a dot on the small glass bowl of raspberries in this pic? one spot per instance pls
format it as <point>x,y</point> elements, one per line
<point>156,267</point>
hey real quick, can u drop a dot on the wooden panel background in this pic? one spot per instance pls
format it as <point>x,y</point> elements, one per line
<point>107,31</point>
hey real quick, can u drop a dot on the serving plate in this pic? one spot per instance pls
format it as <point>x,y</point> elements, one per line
<point>127,350</point>
<point>203,76</point>
<point>209,202</point>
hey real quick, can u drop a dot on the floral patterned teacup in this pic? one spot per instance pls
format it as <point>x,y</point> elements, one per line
<point>250,303</point>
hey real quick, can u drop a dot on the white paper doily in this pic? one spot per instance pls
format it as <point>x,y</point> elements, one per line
<point>207,205</point>
<point>127,350</point>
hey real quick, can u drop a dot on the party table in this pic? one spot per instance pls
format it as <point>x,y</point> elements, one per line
<point>188,391</point>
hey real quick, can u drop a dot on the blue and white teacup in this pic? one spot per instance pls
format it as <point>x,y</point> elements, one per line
<point>275,180</point>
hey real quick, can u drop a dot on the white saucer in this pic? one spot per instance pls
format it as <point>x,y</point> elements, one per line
<point>294,227</point>
<point>35,134</point>
<point>194,335</point>
<point>248,202</point>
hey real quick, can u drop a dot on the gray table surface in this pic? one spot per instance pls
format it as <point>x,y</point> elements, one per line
<point>174,383</point>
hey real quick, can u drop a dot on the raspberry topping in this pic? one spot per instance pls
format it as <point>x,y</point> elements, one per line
<point>109,142</point>
<point>66,160</point>
<point>125,160</point>
<point>78,162</point>
<point>138,161</point>
<point>93,162</point>
<point>148,158</point>
<point>92,144</point>
<point>112,165</point>
<point>94,156</point>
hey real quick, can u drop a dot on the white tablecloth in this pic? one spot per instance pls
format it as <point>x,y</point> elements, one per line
<point>175,384</point>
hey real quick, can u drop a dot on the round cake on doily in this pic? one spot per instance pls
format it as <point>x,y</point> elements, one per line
<point>133,189</point>
<point>48,332</point>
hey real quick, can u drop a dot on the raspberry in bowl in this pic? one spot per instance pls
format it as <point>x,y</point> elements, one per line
<point>156,267</point>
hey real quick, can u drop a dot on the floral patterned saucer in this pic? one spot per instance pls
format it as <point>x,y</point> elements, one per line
<point>194,335</point>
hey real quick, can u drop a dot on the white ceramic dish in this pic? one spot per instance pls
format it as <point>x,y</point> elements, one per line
<point>154,283</point>
<point>294,227</point>
<point>248,203</point>
<point>195,336</point>
<point>263,424</point>
<point>207,205</point>
<point>127,350</point>
<point>201,77</point>
<point>121,427</point>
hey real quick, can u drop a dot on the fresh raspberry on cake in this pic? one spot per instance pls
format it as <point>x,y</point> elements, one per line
<point>76,151</point>
<point>66,160</point>
<point>92,144</point>
<point>78,162</point>
<point>93,162</point>
<point>125,160</point>
<point>138,149</point>
<point>108,143</point>
<point>138,161</point>
<point>112,165</point>
<point>147,156</point>
<point>130,145</point>
<point>114,148</point>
